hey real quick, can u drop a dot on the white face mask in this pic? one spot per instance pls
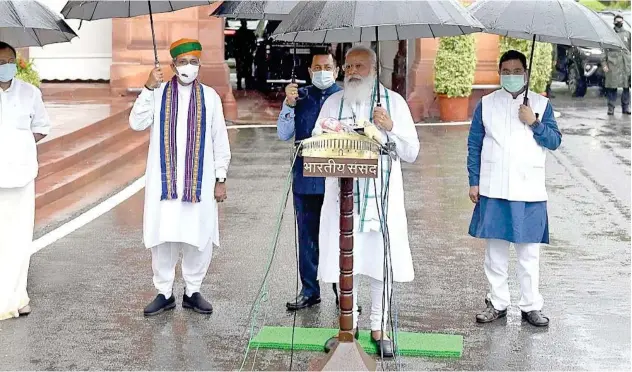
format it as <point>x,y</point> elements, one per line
<point>323,79</point>
<point>8,72</point>
<point>188,73</point>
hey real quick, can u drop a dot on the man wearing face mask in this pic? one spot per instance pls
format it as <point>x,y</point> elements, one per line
<point>506,160</point>
<point>616,65</point>
<point>297,119</point>
<point>23,123</point>
<point>186,172</point>
<point>389,122</point>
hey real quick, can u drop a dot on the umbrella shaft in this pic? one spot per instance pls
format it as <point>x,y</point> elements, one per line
<point>526,91</point>
<point>377,67</point>
<point>153,33</point>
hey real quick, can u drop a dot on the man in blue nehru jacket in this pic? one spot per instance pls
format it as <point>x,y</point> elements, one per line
<point>297,119</point>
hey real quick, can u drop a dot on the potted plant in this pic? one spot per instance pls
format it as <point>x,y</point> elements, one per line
<point>26,72</point>
<point>542,60</point>
<point>454,68</point>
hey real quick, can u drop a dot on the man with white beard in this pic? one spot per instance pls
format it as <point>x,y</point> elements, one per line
<point>392,122</point>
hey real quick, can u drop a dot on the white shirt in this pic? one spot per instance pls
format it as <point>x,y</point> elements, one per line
<point>22,114</point>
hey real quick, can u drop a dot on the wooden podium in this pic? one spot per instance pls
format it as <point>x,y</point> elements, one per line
<point>345,156</point>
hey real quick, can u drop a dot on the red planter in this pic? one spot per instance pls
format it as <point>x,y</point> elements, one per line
<point>453,109</point>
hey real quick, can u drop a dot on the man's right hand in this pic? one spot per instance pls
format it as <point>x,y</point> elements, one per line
<point>291,94</point>
<point>474,195</point>
<point>605,68</point>
<point>155,78</point>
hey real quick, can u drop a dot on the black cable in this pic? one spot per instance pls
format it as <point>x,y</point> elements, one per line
<point>296,253</point>
<point>272,256</point>
<point>383,222</point>
<point>388,263</point>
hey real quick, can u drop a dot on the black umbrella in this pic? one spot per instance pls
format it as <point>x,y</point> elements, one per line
<point>270,10</point>
<point>563,22</point>
<point>356,21</point>
<point>30,23</point>
<point>104,9</point>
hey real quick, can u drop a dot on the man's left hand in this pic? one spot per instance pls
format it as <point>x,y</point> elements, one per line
<point>526,115</point>
<point>220,192</point>
<point>382,119</point>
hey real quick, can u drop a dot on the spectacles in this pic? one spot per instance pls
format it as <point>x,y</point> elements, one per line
<point>184,62</point>
<point>356,66</point>
<point>4,61</point>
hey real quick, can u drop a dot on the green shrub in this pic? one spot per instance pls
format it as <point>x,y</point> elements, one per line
<point>455,65</point>
<point>593,4</point>
<point>26,72</point>
<point>542,60</point>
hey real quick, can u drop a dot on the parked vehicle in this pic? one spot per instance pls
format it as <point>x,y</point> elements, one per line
<point>579,67</point>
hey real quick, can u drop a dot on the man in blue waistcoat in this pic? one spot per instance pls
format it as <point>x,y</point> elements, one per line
<point>297,119</point>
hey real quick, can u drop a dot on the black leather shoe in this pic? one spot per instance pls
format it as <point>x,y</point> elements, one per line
<point>302,302</point>
<point>329,344</point>
<point>197,303</point>
<point>536,318</point>
<point>385,348</point>
<point>160,304</point>
<point>627,112</point>
<point>490,313</point>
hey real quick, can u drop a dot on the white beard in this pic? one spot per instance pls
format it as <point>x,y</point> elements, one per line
<point>359,91</point>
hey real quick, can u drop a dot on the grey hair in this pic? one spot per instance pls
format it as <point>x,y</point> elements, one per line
<point>362,48</point>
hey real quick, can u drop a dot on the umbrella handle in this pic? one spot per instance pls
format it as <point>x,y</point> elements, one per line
<point>153,34</point>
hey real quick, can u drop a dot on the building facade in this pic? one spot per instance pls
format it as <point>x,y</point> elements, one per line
<point>120,51</point>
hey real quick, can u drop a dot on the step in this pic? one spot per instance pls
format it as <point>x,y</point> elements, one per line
<point>57,159</point>
<point>57,213</point>
<point>119,119</point>
<point>54,186</point>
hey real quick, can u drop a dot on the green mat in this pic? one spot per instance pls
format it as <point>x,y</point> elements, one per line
<point>313,339</point>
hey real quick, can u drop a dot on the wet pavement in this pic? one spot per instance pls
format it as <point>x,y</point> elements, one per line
<point>89,288</point>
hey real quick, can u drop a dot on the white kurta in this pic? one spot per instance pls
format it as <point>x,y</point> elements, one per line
<point>22,114</point>
<point>17,217</point>
<point>173,220</point>
<point>368,247</point>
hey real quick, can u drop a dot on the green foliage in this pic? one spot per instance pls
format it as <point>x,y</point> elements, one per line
<point>455,65</point>
<point>593,4</point>
<point>599,6</point>
<point>542,60</point>
<point>26,72</point>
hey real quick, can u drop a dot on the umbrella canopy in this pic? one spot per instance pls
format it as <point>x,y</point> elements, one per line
<point>563,22</point>
<point>107,9</point>
<point>356,21</point>
<point>270,10</point>
<point>30,23</point>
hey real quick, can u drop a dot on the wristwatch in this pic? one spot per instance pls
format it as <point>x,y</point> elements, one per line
<point>220,180</point>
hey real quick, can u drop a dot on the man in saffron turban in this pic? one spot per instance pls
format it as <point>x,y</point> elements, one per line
<point>186,172</point>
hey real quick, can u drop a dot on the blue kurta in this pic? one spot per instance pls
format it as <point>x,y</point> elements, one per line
<point>513,221</point>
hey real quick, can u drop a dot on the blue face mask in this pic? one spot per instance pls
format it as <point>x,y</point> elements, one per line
<point>8,72</point>
<point>512,83</point>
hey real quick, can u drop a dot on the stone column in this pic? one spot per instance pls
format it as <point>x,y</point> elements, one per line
<point>215,72</point>
<point>421,80</point>
<point>133,56</point>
